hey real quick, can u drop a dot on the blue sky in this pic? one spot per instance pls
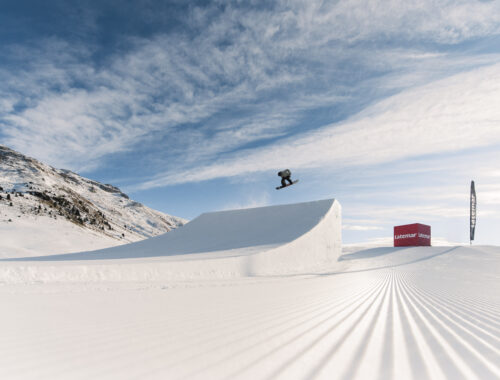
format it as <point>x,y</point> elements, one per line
<point>390,107</point>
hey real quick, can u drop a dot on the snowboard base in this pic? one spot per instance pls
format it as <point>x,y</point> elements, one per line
<point>289,184</point>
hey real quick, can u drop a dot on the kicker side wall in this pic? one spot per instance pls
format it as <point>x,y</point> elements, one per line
<point>316,250</point>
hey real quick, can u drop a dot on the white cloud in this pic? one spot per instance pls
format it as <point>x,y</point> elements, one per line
<point>351,227</point>
<point>444,21</point>
<point>451,115</point>
<point>277,64</point>
<point>488,194</point>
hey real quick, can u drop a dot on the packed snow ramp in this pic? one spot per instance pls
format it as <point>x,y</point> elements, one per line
<point>266,240</point>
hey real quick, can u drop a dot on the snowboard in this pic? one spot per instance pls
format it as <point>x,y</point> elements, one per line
<point>288,184</point>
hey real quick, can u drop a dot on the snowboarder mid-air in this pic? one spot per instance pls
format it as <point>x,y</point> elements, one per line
<point>285,177</point>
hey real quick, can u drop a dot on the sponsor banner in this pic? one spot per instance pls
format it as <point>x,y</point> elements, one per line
<point>412,235</point>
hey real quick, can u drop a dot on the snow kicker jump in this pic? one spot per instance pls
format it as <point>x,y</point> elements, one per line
<point>265,240</point>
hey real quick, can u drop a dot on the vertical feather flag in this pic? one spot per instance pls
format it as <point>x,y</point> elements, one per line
<point>472,211</point>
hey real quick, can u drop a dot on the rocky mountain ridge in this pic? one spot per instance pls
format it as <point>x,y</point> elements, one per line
<point>33,190</point>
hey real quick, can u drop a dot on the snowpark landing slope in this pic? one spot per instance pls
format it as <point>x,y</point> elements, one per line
<point>387,313</point>
<point>282,239</point>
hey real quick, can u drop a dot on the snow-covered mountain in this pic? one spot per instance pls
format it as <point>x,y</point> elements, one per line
<point>45,210</point>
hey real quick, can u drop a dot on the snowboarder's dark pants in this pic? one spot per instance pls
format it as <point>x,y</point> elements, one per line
<point>285,179</point>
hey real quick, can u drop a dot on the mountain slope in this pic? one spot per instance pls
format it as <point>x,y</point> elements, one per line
<point>44,210</point>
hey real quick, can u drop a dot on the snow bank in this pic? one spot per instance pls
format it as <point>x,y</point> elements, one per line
<point>259,241</point>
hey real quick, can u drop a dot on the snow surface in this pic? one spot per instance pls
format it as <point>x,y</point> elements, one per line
<point>379,313</point>
<point>264,240</point>
<point>33,235</point>
<point>406,313</point>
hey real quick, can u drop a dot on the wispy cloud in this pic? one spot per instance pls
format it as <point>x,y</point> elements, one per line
<point>351,227</point>
<point>451,115</point>
<point>253,75</point>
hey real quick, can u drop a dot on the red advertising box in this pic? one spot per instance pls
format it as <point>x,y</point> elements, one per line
<point>412,235</point>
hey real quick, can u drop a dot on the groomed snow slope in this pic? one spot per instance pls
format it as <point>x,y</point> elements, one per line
<point>281,239</point>
<point>385,313</point>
